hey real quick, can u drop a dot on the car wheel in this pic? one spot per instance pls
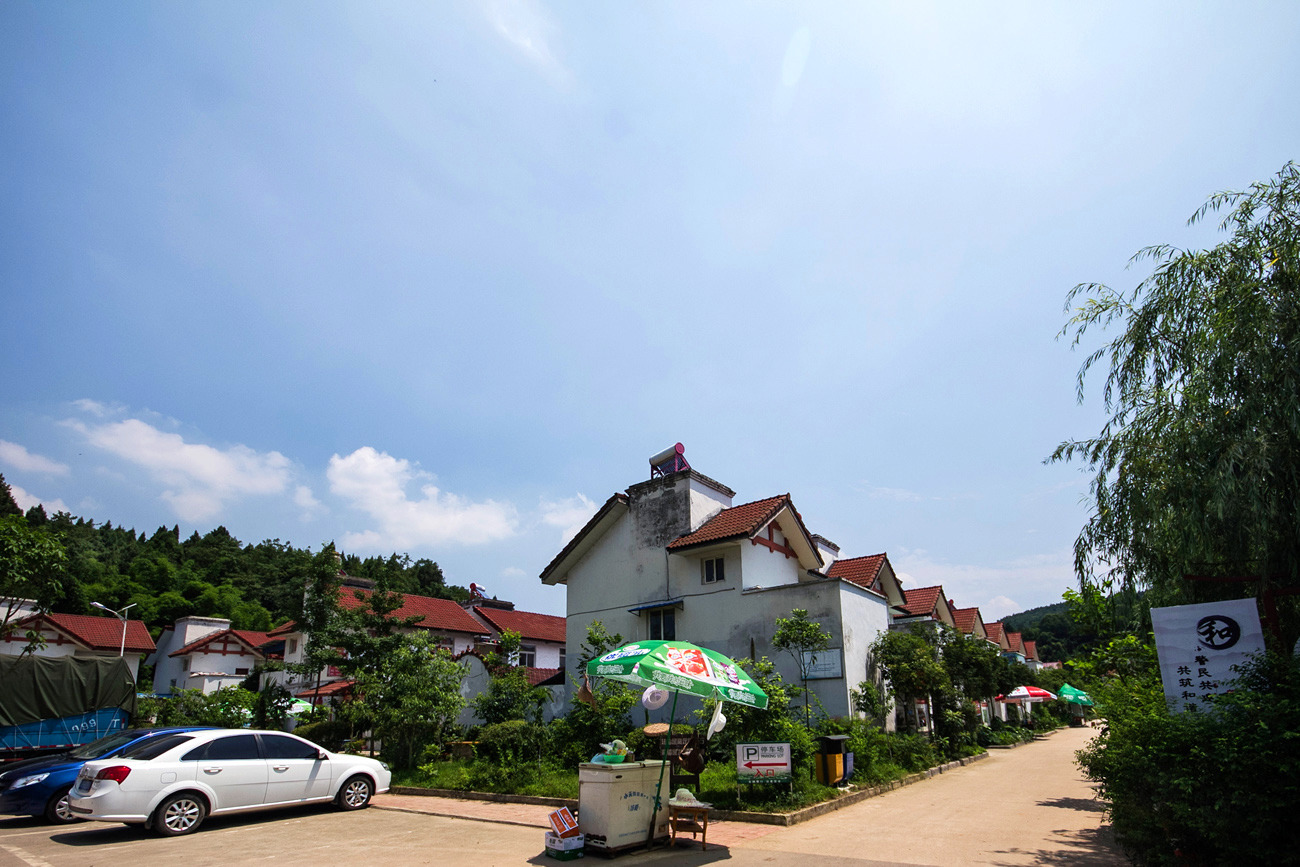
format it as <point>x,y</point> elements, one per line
<point>355,793</point>
<point>57,810</point>
<point>179,814</point>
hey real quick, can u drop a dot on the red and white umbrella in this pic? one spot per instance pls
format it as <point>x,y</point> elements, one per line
<point>1028,694</point>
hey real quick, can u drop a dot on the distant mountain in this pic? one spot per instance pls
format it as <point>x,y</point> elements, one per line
<point>1031,618</point>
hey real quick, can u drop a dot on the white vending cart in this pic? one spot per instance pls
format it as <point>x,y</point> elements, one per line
<point>615,802</point>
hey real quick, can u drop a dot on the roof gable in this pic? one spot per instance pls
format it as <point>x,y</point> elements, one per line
<point>556,572</point>
<point>747,520</point>
<point>252,640</point>
<point>969,621</point>
<point>929,602</point>
<point>862,571</point>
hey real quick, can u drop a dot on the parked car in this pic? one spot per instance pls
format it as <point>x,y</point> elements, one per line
<point>39,786</point>
<point>172,783</point>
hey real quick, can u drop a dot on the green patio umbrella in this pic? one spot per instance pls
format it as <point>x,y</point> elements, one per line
<point>679,666</point>
<point>1074,696</point>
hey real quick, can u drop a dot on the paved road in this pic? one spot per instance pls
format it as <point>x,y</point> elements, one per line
<point>1022,806</point>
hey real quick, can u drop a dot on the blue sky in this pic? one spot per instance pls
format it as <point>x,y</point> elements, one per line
<point>439,278</point>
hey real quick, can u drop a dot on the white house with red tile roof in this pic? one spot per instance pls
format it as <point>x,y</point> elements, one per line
<point>969,621</point>
<point>672,557</point>
<point>82,635</point>
<point>204,653</point>
<point>926,605</point>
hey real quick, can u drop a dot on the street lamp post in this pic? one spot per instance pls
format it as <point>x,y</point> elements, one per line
<point>121,615</point>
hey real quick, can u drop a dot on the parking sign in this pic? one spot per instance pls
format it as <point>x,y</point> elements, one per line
<point>763,763</point>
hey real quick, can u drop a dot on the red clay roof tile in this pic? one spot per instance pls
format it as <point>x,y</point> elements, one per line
<point>443,614</point>
<point>535,627</point>
<point>97,633</point>
<point>922,600</point>
<point>862,571</point>
<point>738,521</point>
<point>965,618</point>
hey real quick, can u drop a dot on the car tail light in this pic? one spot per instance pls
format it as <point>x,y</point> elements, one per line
<point>116,773</point>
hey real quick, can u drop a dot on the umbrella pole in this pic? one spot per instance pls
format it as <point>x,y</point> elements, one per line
<point>668,739</point>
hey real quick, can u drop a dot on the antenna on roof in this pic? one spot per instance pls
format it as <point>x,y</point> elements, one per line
<point>669,460</point>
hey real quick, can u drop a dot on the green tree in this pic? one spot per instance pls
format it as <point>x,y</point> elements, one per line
<point>8,505</point>
<point>33,564</point>
<point>1197,468</point>
<point>803,639</point>
<point>909,662</point>
<point>412,697</point>
<point>509,694</point>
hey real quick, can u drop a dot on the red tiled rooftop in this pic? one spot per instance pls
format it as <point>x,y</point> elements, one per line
<point>965,619</point>
<point>862,571</point>
<point>253,639</point>
<point>1013,639</point>
<point>922,600</point>
<point>97,633</point>
<point>738,521</point>
<point>434,613</point>
<point>541,675</point>
<point>335,687</point>
<point>1031,650</point>
<point>535,627</point>
<point>994,631</point>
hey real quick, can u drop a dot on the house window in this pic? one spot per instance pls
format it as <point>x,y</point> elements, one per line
<point>713,570</point>
<point>243,671</point>
<point>185,663</point>
<point>528,655</point>
<point>293,645</point>
<point>663,624</point>
<point>564,663</point>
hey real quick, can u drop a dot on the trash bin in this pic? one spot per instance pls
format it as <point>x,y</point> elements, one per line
<point>615,802</point>
<point>833,763</point>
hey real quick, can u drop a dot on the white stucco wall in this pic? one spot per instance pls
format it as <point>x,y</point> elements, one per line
<point>763,567</point>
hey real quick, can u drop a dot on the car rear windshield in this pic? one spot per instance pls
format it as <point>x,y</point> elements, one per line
<point>151,748</point>
<point>103,746</point>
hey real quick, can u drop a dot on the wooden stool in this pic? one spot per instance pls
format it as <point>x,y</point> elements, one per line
<point>693,819</point>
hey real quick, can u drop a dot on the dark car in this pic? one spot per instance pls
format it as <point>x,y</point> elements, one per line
<point>39,786</point>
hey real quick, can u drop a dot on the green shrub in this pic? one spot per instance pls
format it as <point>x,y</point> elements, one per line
<point>513,742</point>
<point>1212,787</point>
<point>330,734</point>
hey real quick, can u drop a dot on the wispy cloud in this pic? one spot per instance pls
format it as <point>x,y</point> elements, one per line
<point>304,499</point>
<point>525,25</point>
<point>199,479</point>
<point>16,456</point>
<point>375,482</point>
<point>569,515</point>
<point>25,501</point>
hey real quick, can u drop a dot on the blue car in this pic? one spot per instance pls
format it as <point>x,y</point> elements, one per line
<point>39,786</point>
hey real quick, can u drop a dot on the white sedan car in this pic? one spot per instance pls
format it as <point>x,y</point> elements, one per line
<point>171,783</point>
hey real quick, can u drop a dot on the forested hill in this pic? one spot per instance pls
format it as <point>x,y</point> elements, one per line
<point>255,586</point>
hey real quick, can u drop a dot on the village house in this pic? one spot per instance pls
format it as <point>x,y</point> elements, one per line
<point>204,653</point>
<point>674,558</point>
<point>82,635</point>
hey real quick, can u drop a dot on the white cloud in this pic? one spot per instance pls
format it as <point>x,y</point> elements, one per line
<point>19,458</point>
<point>306,500</point>
<point>899,494</point>
<point>375,482</point>
<point>513,572</point>
<point>525,25</point>
<point>569,515</point>
<point>199,479</point>
<point>998,607</point>
<point>94,407</point>
<point>25,501</point>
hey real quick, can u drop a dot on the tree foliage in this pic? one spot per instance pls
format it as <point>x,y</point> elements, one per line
<point>412,696</point>
<point>1197,468</point>
<point>32,566</point>
<point>803,639</point>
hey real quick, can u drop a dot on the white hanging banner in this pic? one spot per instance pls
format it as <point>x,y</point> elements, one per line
<point>1199,644</point>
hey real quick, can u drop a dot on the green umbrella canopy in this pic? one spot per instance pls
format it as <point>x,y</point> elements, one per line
<point>680,666</point>
<point>1075,696</point>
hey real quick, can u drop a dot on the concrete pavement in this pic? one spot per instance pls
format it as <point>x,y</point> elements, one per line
<point>1028,805</point>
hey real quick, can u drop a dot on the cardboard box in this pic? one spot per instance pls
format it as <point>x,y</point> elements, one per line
<point>562,823</point>
<point>565,848</point>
